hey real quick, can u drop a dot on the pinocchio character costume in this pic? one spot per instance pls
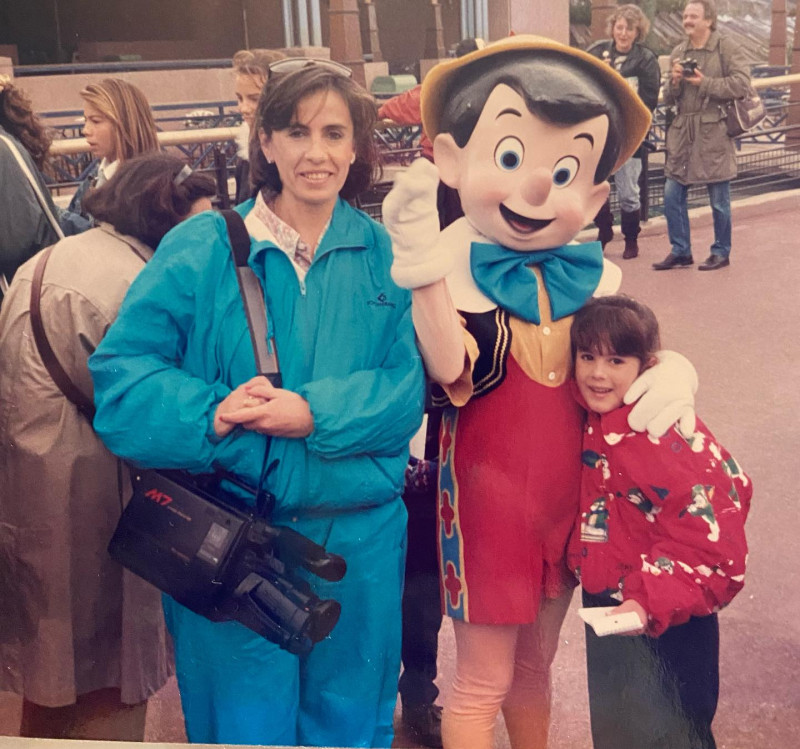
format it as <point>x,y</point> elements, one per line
<point>528,131</point>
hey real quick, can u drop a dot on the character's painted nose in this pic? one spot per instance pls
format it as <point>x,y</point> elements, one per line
<point>536,187</point>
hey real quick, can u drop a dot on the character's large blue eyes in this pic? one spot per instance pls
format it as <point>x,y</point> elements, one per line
<point>509,154</point>
<point>565,171</point>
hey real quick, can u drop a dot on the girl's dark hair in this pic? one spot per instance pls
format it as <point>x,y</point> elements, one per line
<point>142,199</point>
<point>616,325</point>
<point>18,119</point>
<point>278,106</point>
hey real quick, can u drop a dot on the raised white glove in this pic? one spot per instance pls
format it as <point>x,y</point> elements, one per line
<point>665,395</point>
<point>412,220</point>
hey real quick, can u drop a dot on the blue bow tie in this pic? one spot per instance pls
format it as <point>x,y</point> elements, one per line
<point>570,273</point>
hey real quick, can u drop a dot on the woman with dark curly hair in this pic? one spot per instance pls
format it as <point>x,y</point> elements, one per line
<point>24,226</point>
<point>81,640</point>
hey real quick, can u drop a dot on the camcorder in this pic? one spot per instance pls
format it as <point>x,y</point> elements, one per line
<point>689,65</point>
<point>205,547</point>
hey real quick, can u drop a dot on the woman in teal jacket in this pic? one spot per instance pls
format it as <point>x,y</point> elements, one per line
<point>174,387</point>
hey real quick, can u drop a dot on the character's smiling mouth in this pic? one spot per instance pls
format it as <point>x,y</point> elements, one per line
<point>522,224</point>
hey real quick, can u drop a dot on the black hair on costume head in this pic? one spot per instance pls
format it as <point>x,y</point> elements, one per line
<point>557,88</point>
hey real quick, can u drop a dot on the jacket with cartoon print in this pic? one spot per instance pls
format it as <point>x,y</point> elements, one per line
<point>661,520</point>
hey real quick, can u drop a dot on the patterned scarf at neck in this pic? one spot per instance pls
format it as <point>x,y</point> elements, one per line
<point>570,273</point>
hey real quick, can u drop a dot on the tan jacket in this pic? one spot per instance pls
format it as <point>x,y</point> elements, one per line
<point>699,150</point>
<point>71,620</point>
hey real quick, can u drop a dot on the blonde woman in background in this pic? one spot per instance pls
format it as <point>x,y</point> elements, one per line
<point>252,69</point>
<point>118,126</point>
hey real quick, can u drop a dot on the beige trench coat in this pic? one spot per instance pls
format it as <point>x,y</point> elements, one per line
<point>71,620</point>
<point>699,150</point>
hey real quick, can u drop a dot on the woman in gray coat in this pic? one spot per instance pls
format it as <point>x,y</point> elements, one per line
<point>82,640</point>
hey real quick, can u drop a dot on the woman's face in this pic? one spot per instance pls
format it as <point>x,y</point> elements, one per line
<point>99,131</point>
<point>247,90</point>
<point>624,35</point>
<point>313,155</point>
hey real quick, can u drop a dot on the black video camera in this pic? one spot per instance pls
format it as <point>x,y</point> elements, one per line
<point>689,65</point>
<point>207,549</point>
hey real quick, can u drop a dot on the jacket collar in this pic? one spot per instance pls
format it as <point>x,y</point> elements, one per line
<point>711,43</point>
<point>145,252</point>
<point>346,229</point>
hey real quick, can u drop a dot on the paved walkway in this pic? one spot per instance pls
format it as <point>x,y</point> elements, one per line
<point>740,326</point>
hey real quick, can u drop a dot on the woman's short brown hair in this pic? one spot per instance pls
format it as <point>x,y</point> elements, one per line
<point>255,63</point>
<point>143,200</point>
<point>635,18</point>
<point>278,106</point>
<point>127,108</point>
<point>616,325</point>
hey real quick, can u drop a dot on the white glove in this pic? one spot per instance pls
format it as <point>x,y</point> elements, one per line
<point>412,220</point>
<point>666,396</point>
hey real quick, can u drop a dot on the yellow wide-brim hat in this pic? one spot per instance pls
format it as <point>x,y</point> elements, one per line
<point>635,115</point>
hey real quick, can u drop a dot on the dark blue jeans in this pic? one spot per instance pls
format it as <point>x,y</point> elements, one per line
<point>676,211</point>
<point>653,693</point>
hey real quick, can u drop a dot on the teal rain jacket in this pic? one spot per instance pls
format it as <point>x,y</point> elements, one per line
<point>345,342</point>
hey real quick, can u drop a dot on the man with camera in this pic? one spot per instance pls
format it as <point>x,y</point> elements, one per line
<point>708,69</point>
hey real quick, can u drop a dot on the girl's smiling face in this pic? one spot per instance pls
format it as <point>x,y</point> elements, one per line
<point>604,378</point>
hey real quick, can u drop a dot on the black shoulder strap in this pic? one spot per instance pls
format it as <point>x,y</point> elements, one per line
<point>253,298</point>
<point>70,390</point>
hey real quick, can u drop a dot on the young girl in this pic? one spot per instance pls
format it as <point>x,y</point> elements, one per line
<point>660,533</point>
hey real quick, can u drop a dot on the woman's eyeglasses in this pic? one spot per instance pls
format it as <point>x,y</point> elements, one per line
<point>292,64</point>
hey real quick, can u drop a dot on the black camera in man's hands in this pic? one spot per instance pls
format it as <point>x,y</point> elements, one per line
<point>207,549</point>
<point>689,65</point>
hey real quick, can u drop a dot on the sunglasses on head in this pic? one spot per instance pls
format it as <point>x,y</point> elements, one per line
<point>292,64</point>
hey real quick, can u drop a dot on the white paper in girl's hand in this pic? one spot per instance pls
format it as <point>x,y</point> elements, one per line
<point>610,625</point>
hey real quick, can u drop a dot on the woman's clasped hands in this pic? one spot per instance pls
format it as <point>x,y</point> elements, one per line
<point>261,407</point>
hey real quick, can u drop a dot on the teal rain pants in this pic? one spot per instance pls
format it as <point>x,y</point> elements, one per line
<point>238,688</point>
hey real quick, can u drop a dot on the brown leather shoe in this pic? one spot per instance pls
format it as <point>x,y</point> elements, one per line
<point>713,262</point>
<point>673,261</point>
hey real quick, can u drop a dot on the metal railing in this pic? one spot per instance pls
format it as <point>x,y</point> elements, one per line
<point>764,161</point>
